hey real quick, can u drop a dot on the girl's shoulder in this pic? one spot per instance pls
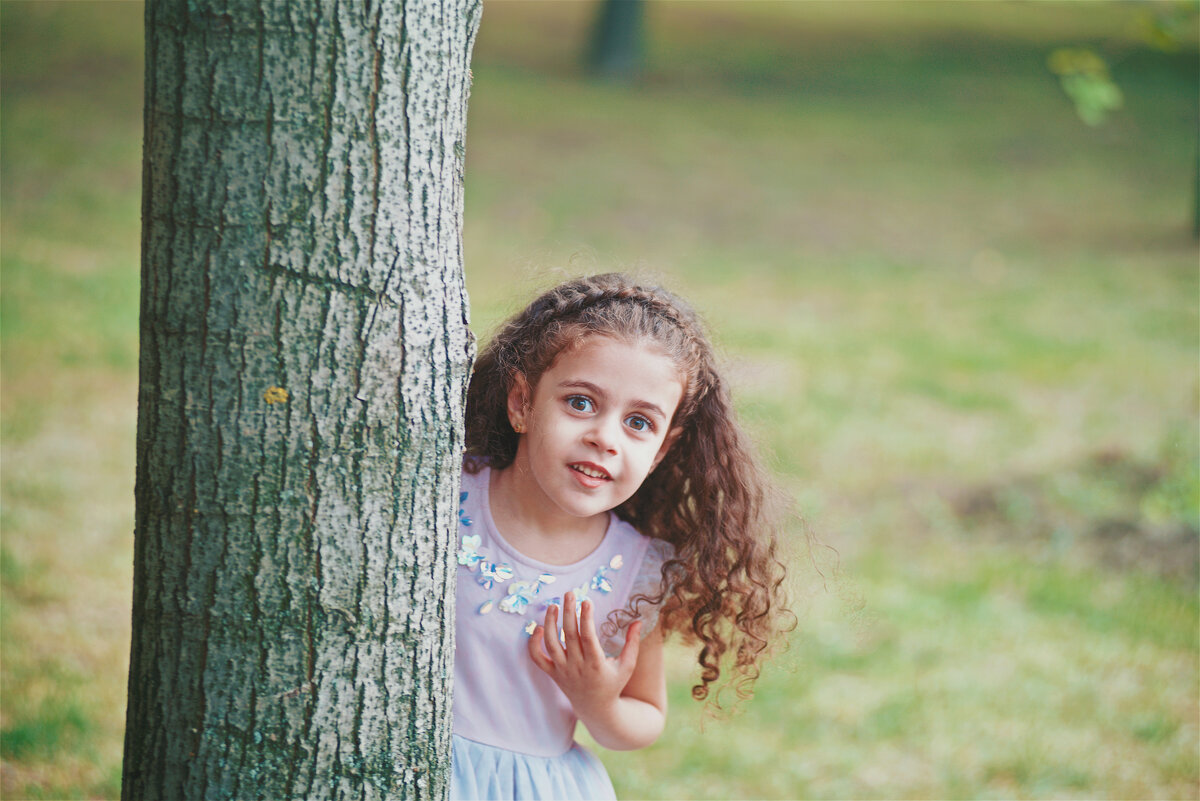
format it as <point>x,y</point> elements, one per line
<point>643,585</point>
<point>473,467</point>
<point>651,554</point>
<point>628,536</point>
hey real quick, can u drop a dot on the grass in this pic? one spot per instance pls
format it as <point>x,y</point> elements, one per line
<point>962,324</point>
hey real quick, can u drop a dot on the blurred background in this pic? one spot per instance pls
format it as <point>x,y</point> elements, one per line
<point>954,280</point>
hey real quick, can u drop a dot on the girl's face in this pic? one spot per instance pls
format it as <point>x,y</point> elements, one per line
<point>596,424</point>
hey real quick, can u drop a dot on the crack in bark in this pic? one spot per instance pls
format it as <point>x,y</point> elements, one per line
<point>373,131</point>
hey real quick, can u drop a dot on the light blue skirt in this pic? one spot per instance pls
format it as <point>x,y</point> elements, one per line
<point>484,773</point>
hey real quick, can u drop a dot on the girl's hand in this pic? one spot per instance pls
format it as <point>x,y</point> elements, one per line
<point>579,667</point>
<point>619,713</point>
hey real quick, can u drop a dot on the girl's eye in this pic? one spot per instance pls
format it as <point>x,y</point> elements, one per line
<point>579,403</point>
<point>639,423</point>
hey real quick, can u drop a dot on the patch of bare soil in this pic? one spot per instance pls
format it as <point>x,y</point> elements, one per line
<point>1121,512</point>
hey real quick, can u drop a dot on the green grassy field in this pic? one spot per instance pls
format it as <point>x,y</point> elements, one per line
<point>963,326</point>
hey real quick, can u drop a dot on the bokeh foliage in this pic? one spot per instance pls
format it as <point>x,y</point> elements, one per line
<point>963,327</point>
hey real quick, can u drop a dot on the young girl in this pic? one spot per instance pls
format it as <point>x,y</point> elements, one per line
<point>608,499</point>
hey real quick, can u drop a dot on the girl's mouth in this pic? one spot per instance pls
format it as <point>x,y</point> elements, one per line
<point>591,471</point>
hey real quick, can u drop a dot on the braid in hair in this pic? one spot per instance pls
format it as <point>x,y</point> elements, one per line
<point>708,497</point>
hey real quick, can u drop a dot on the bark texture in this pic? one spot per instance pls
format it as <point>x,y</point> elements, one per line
<point>304,357</point>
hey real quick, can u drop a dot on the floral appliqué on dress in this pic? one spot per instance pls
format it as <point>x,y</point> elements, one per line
<point>519,595</point>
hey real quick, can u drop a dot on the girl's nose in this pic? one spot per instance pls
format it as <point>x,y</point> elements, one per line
<point>603,435</point>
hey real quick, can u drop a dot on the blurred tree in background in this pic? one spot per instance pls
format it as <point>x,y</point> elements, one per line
<point>617,47</point>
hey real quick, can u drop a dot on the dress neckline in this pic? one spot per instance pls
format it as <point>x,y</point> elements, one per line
<point>485,490</point>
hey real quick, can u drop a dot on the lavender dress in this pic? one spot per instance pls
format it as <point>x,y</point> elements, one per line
<point>514,730</point>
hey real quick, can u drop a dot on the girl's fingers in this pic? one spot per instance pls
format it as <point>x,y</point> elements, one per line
<point>570,624</point>
<point>535,650</point>
<point>553,648</point>
<point>589,642</point>
<point>627,661</point>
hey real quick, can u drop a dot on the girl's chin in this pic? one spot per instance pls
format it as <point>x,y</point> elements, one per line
<point>585,507</point>
<point>583,503</point>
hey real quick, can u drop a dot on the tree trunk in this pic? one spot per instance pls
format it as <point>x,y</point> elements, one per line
<point>304,357</point>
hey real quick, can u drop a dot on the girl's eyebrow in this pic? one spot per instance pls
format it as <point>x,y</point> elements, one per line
<point>646,406</point>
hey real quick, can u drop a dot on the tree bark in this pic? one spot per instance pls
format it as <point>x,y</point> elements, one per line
<point>304,358</point>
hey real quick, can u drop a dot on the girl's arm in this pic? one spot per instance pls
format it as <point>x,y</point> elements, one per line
<point>622,701</point>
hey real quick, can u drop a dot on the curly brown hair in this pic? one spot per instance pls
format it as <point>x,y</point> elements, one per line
<point>723,590</point>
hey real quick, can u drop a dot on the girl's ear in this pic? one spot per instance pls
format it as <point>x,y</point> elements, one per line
<point>518,402</point>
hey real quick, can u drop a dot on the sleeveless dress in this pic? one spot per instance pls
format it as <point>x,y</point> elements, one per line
<point>514,730</point>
